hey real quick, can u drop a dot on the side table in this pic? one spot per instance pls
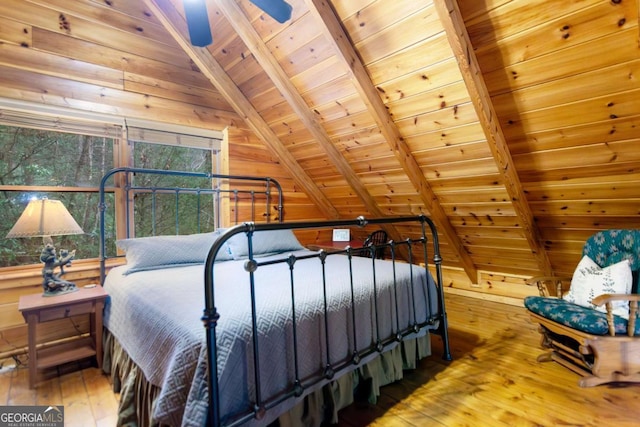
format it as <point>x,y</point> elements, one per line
<point>334,246</point>
<point>37,308</point>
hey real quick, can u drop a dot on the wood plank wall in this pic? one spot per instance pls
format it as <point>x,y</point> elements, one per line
<point>563,80</point>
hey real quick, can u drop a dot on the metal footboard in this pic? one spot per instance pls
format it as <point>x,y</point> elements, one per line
<point>331,370</point>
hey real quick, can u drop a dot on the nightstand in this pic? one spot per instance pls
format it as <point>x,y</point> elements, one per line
<point>334,246</point>
<point>37,309</point>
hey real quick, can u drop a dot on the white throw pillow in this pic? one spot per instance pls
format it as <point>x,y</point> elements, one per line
<point>590,280</point>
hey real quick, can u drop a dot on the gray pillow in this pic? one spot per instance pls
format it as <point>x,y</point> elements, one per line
<point>265,242</point>
<point>150,253</point>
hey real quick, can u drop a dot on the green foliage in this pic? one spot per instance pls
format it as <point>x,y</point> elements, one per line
<point>155,214</point>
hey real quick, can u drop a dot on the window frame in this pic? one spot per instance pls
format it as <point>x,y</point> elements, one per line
<point>25,114</point>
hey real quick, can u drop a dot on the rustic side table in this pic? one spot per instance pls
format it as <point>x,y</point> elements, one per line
<point>38,308</point>
<point>334,246</point>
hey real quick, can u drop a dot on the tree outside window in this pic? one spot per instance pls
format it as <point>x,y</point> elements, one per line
<point>68,167</point>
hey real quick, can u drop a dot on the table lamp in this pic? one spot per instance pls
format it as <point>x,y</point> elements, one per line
<point>45,218</point>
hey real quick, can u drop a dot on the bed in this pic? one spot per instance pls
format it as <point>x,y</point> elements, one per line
<point>292,332</point>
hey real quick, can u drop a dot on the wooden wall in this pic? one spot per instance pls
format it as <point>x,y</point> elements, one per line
<point>568,108</point>
<point>73,54</point>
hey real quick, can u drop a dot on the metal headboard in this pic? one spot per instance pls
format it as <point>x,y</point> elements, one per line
<point>250,189</point>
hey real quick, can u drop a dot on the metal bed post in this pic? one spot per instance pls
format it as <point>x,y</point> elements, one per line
<point>437,260</point>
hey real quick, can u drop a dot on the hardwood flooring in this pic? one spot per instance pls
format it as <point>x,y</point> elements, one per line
<point>494,380</point>
<point>81,388</point>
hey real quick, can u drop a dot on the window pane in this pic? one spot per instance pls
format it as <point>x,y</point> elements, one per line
<point>83,206</point>
<point>41,157</point>
<point>169,157</point>
<point>155,214</point>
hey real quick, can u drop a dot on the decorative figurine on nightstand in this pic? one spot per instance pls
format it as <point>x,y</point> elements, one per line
<point>45,218</point>
<point>52,283</point>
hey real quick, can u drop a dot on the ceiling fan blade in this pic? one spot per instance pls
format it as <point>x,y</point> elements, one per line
<point>279,10</point>
<point>198,22</point>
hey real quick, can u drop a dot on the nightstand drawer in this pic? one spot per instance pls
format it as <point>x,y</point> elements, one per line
<point>65,311</point>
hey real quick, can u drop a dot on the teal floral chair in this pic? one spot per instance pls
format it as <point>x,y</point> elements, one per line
<point>592,326</point>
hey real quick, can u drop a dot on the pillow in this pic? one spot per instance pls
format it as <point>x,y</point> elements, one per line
<point>150,253</point>
<point>265,242</point>
<point>590,280</point>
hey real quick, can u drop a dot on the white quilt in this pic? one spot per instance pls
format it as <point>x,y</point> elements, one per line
<point>156,316</point>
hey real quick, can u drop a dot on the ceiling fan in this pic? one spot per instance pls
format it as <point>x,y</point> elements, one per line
<point>198,20</point>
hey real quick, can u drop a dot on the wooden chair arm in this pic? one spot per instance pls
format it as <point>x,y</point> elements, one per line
<point>550,286</point>
<point>607,300</point>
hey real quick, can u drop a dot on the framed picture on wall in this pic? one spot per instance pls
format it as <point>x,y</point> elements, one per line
<point>341,235</point>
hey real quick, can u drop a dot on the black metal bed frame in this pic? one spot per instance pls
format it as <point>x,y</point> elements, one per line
<point>330,371</point>
<point>210,315</point>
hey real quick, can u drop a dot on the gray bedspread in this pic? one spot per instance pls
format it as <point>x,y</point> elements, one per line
<point>156,314</point>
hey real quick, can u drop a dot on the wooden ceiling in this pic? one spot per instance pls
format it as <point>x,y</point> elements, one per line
<point>514,124</point>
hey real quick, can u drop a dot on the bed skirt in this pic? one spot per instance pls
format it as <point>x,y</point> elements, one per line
<point>137,395</point>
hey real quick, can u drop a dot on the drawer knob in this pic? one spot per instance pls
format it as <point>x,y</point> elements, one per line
<point>66,312</point>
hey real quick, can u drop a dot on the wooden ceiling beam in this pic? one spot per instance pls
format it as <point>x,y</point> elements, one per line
<point>334,32</point>
<point>451,19</point>
<point>282,82</point>
<point>175,24</point>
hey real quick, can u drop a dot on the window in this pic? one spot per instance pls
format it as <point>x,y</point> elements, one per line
<point>36,163</point>
<point>161,219</point>
<point>65,159</point>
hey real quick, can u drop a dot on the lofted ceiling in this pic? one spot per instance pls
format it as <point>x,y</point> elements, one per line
<point>514,124</point>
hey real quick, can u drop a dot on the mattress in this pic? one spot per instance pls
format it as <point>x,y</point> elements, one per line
<point>156,317</point>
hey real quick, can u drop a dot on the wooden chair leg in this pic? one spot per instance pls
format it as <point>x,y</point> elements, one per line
<point>545,357</point>
<point>614,361</point>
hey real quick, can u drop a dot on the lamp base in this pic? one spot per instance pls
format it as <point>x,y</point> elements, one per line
<point>66,289</point>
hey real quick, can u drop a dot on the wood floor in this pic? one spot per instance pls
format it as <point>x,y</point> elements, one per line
<point>493,380</point>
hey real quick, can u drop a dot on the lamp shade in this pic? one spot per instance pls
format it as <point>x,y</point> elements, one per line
<point>44,217</point>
